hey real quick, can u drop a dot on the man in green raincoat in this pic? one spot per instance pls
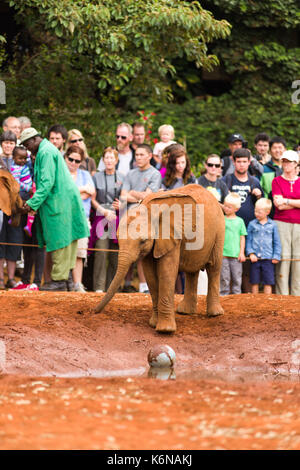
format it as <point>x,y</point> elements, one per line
<point>61,218</point>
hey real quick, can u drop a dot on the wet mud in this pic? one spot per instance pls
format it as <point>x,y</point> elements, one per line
<point>74,380</point>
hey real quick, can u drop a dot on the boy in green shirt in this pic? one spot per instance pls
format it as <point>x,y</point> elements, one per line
<point>234,246</point>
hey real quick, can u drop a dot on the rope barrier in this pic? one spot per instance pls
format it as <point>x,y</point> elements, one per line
<point>38,246</point>
<point>108,250</point>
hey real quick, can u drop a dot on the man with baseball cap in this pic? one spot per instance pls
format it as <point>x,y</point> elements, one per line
<point>61,220</point>
<point>237,141</point>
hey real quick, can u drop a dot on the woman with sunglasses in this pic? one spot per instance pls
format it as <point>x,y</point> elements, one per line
<point>211,178</point>
<point>74,157</point>
<point>76,138</point>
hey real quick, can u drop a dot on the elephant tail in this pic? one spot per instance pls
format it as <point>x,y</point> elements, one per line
<point>216,257</point>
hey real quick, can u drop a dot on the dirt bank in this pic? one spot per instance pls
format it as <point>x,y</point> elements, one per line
<point>74,380</point>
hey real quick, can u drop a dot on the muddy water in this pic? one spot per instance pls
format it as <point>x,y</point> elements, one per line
<point>236,376</point>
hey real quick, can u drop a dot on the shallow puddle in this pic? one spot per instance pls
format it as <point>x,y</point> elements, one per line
<point>222,375</point>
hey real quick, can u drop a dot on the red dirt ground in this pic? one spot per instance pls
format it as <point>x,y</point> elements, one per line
<point>74,380</point>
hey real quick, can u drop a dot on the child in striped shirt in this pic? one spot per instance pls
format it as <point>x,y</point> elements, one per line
<point>21,173</point>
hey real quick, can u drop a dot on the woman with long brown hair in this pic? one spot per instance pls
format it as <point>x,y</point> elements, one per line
<point>178,169</point>
<point>178,173</point>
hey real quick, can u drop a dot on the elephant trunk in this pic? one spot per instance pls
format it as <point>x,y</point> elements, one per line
<point>124,263</point>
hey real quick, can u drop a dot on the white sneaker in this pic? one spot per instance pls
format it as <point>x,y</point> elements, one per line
<point>143,288</point>
<point>99,291</point>
<point>32,286</point>
<point>78,287</point>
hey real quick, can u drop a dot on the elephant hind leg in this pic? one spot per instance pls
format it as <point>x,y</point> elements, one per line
<point>188,306</point>
<point>213,305</point>
<point>213,268</point>
<point>149,268</point>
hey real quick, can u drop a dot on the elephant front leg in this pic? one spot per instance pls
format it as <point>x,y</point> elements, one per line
<point>149,267</point>
<point>167,269</point>
<point>188,305</point>
<point>213,305</point>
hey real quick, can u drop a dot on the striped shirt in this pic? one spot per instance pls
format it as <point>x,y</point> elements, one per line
<point>22,175</point>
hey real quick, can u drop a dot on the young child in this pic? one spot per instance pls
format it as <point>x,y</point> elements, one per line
<point>166,134</point>
<point>234,246</point>
<point>263,246</point>
<point>21,173</point>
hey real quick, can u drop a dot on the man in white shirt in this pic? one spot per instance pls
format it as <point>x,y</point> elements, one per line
<point>140,182</point>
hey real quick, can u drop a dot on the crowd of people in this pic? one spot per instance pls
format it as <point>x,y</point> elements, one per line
<point>72,206</point>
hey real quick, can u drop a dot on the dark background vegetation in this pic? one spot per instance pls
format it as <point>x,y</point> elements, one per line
<point>52,79</point>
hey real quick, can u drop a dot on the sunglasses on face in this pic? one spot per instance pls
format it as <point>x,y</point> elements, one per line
<point>73,141</point>
<point>123,137</point>
<point>217,165</point>
<point>74,160</point>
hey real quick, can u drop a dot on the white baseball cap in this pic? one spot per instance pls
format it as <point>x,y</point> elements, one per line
<point>290,155</point>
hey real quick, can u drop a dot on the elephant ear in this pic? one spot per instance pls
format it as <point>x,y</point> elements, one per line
<point>167,225</point>
<point>10,200</point>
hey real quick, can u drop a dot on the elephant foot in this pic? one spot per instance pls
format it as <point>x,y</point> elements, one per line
<point>153,320</point>
<point>186,309</point>
<point>166,326</point>
<point>215,311</point>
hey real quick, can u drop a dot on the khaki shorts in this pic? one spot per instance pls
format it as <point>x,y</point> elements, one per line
<point>82,246</point>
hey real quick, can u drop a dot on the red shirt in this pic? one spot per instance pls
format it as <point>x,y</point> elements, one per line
<point>289,190</point>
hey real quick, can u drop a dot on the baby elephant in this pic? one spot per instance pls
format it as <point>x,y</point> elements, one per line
<point>178,230</point>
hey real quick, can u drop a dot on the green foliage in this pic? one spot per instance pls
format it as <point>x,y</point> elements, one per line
<point>147,119</point>
<point>258,14</point>
<point>264,39</point>
<point>50,79</point>
<point>91,65</point>
<point>2,50</point>
<point>127,42</point>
